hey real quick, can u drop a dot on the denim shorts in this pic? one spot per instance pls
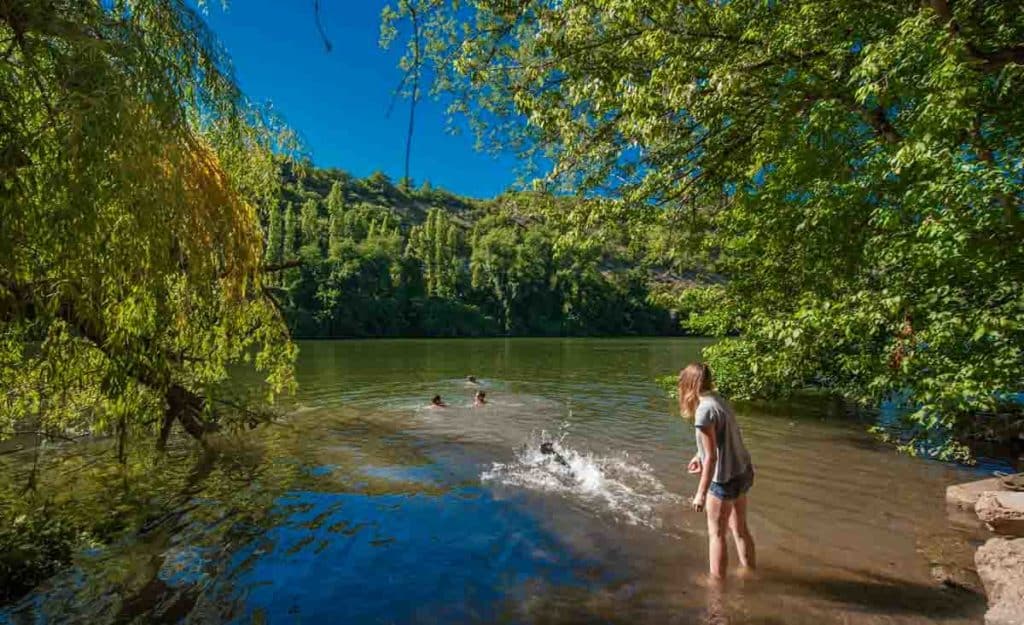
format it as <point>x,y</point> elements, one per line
<point>735,487</point>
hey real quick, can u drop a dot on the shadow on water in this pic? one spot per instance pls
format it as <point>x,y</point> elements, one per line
<point>452,557</point>
<point>873,593</point>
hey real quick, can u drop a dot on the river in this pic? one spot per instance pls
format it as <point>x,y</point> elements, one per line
<point>390,512</point>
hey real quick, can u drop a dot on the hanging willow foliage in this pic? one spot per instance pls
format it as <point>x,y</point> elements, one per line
<point>133,178</point>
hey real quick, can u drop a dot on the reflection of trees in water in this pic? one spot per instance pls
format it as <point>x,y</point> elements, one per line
<point>174,518</point>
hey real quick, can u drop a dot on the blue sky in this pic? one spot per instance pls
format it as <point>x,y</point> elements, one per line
<point>338,101</point>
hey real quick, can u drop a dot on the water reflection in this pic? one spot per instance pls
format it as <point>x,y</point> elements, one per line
<point>363,507</point>
<point>452,557</point>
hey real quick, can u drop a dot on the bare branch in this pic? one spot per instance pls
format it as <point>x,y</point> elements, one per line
<point>320,27</point>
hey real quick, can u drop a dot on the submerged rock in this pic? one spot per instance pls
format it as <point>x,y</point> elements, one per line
<point>1002,511</point>
<point>964,496</point>
<point>1000,563</point>
<point>956,577</point>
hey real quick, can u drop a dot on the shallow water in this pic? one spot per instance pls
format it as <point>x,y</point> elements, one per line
<point>407,514</point>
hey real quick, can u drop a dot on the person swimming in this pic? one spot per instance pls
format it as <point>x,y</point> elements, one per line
<point>471,379</point>
<point>548,449</point>
<point>480,399</point>
<point>437,402</point>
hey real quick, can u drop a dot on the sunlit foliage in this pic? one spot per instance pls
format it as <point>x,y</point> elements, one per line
<point>131,247</point>
<point>854,169</point>
<point>404,262</point>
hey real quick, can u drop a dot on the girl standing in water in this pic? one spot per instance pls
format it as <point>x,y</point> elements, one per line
<point>723,463</point>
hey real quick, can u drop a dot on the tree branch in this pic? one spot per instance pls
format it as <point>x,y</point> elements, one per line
<point>288,264</point>
<point>320,27</point>
<point>995,59</point>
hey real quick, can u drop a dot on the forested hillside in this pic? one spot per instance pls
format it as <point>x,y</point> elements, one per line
<point>379,259</point>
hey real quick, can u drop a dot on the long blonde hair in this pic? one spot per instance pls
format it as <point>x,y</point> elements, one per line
<point>694,379</point>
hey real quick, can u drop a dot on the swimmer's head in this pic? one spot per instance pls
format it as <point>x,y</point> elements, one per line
<point>471,378</point>
<point>547,448</point>
<point>480,397</point>
<point>437,401</point>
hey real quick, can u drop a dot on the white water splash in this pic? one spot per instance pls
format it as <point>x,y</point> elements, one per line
<point>617,484</point>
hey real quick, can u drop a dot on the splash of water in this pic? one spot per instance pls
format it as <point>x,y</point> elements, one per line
<point>616,484</point>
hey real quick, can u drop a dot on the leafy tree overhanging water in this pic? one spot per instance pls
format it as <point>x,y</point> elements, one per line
<point>131,254</point>
<point>854,168</point>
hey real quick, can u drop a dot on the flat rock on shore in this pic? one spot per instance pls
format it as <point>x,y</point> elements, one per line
<point>1000,563</point>
<point>1002,511</point>
<point>964,496</point>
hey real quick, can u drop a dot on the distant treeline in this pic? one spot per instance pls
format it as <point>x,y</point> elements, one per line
<point>380,259</point>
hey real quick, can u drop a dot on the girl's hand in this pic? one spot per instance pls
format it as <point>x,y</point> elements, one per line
<point>694,466</point>
<point>698,502</point>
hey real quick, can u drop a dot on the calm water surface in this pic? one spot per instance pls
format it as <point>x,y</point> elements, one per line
<point>412,515</point>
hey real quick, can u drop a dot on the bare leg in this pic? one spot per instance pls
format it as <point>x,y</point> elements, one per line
<point>741,533</point>
<point>718,512</point>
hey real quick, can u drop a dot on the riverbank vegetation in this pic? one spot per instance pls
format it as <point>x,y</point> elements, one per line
<point>833,188</point>
<point>853,168</point>
<point>133,177</point>
<point>369,258</point>
<point>158,236</point>
<point>131,264</point>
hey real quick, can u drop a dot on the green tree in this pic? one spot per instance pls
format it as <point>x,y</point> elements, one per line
<point>568,267</point>
<point>335,203</point>
<point>336,236</point>
<point>853,167</point>
<point>291,232</point>
<point>131,250</point>
<point>275,236</point>
<point>493,264</point>
<point>379,182</point>
<point>309,223</point>
<point>335,200</point>
<point>435,245</point>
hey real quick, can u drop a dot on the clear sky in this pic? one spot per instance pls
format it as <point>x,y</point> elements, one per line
<point>338,101</point>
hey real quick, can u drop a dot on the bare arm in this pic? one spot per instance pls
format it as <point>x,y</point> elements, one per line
<point>708,442</point>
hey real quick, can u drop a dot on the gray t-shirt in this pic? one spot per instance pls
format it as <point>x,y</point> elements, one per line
<point>733,457</point>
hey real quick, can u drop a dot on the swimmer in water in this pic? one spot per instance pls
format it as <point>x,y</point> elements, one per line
<point>548,449</point>
<point>437,402</point>
<point>479,399</point>
<point>471,380</point>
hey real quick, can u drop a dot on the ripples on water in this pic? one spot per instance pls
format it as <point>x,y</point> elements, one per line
<point>364,506</point>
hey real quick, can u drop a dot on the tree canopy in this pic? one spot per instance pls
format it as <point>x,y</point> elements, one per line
<point>133,175</point>
<point>853,169</point>
<point>380,260</point>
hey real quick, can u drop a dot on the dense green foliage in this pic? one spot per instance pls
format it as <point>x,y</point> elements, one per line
<point>380,260</point>
<point>32,547</point>
<point>132,178</point>
<point>130,245</point>
<point>853,168</point>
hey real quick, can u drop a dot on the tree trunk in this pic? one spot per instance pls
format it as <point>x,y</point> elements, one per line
<point>186,407</point>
